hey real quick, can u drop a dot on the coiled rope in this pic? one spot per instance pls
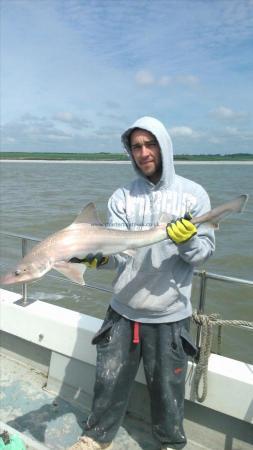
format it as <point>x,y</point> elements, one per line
<point>207,322</point>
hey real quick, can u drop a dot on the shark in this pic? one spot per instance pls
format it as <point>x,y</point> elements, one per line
<point>88,236</point>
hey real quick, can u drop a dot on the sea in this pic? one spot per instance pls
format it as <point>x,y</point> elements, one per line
<point>39,198</point>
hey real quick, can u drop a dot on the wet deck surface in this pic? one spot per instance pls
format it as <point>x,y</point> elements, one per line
<point>51,421</point>
<point>55,423</point>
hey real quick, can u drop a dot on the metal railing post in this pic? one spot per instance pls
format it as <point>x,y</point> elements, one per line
<point>24,285</point>
<point>201,307</point>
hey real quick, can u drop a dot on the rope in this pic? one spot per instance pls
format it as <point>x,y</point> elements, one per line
<point>207,322</point>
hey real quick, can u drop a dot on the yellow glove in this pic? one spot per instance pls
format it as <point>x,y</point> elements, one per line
<point>181,231</point>
<point>92,261</point>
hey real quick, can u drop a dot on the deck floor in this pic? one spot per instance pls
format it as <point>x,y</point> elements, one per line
<point>55,423</point>
<point>52,421</point>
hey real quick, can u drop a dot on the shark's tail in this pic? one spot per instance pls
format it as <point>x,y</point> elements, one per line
<point>214,216</point>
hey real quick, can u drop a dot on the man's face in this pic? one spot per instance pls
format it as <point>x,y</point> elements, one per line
<point>146,154</point>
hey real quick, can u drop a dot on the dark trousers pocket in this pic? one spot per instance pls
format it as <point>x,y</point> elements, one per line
<point>103,333</point>
<point>187,343</point>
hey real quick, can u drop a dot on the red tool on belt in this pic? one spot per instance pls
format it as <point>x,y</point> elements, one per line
<point>136,336</point>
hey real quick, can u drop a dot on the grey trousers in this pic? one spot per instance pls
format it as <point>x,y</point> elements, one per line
<point>164,349</point>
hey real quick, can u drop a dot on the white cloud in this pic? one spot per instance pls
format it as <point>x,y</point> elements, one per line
<point>231,137</point>
<point>147,78</point>
<point>34,134</point>
<point>71,119</point>
<point>144,78</point>
<point>58,137</point>
<point>10,140</point>
<point>214,140</point>
<point>225,113</point>
<point>64,116</point>
<point>165,80</point>
<point>231,131</point>
<point>23,132</point>
<point>183,131</point>
<point>188,80</point>
<point>27,117</point>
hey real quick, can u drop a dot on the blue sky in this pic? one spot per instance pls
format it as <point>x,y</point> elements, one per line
<point>76,73</point>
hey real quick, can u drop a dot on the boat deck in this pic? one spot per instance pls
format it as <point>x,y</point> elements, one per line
<point>29,408</point>
<point>47,376</point>
<point>48,421</point>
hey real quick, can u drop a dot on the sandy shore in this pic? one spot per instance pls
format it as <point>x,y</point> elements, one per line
<point>46,161</point>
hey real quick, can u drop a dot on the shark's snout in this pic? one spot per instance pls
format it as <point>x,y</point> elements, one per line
<point>15,277</point>
<point>9,278</point>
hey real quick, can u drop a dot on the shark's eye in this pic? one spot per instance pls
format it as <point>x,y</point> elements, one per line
<point>17,272</point>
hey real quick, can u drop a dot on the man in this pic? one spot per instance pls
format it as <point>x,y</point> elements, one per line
<point>150,311</point>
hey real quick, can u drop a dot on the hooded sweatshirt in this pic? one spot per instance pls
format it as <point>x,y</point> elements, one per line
<point>155,285</point>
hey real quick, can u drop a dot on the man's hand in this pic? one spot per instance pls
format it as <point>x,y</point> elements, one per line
<point>92,261</point>
<point>181,231</point>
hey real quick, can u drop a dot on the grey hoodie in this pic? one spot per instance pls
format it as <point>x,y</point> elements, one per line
<point>154,286</point>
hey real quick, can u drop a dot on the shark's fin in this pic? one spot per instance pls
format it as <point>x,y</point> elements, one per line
<point>88,215</point>
<point>73,271</point>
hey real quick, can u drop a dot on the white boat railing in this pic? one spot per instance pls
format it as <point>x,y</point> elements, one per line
<point>202,274</point>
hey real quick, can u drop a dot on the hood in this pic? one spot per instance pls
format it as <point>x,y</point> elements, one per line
<point>155,127</point>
